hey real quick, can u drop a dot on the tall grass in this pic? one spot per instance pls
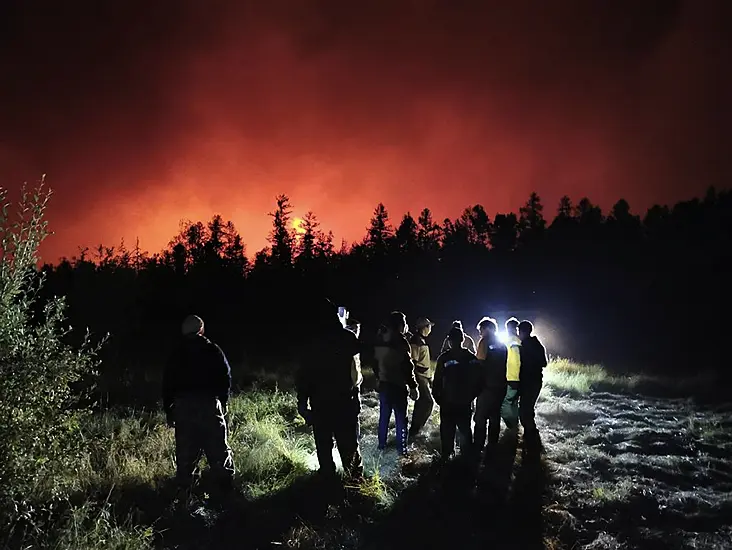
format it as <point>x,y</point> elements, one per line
<point>118,486</point>
<point>268,453</point>
<point>88,528</point>
<point>125,447</point>
<point>130,452</point>
<point>579,378</point>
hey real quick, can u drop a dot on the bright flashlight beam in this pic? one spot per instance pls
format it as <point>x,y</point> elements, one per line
<point>502,337</point>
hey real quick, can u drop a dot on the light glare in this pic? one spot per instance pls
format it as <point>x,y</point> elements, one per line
<point>342,315</point>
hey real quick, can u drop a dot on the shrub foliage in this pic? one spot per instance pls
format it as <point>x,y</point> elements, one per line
<point>40,405</point>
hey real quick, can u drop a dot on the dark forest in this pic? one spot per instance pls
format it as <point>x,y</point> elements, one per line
<point>634,292</point>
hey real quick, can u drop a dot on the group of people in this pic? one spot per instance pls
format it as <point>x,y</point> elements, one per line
<point>499,379</point>
<point>475,386</point>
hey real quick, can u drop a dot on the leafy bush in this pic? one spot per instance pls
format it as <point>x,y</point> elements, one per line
<point>40,412</point>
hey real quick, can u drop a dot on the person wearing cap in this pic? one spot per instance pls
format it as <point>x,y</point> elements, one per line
<point>468,343</point>
<point>328,390</point>
<point>493,355</point>
<point>395,370</point>
<point>458,381</point>
<point>423,370</point>
<point>533,362</point>
<point>196,388</point>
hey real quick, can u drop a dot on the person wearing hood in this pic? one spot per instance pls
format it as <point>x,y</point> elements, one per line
<point>328,390</point>
<point>458,381</point>
<point>196,387</point>
<point>493,354</point>
<point>468,343</point>
<point>395,371</point>
<point>424,374</point>
<point>533,362</point>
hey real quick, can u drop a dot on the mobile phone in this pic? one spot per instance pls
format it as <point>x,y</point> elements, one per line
<point>342,315</point>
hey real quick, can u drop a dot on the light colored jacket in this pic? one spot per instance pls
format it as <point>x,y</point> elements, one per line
<point>513,361</point>
<point>421,356</point>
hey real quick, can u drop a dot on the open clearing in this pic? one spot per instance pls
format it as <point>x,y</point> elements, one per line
<point>638,472</point>
<point>619,470</point>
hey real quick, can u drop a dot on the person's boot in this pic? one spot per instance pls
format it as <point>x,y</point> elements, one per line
<point>489,453</point>
<point>182,498</point>
<point>223,494</point>
<point>532,442</point>
<point>328,477</point>
<point>444,458</point>
<point>510,437</point>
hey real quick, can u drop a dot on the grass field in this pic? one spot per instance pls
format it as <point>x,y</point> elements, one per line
<point>620,470</point>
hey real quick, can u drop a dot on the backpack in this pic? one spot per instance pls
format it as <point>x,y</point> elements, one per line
<point>461,379</point>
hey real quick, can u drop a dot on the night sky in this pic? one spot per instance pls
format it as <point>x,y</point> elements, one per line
<point>142,113</point>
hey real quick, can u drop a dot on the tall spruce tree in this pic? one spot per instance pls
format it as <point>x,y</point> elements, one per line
<point>282,237</point>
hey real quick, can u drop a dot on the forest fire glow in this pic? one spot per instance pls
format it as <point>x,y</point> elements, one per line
<point>298,226</point>
<point>223,122</point>
<point>547,180</point>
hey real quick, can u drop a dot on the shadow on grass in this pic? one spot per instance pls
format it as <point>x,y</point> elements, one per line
<point>310,513</point>
<point>498,505</point>
<point>455,506</point>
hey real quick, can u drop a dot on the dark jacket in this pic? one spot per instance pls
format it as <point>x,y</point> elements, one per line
<point>494,356</point>
<point>326,374</point>
<point>533,359</point>
<point>458,378</point>
<point>468,344</point>
<point>197,367</point>
<point>394,363</point>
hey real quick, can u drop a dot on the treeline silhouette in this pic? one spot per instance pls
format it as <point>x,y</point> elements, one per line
<point>631,292</point>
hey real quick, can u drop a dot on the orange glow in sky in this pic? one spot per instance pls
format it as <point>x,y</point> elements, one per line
<point>296,224</point>
<point>343,105</point>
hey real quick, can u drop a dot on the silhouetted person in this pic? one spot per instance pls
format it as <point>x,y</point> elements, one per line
<point>328,387</point>
<point>510,406</point>
<point>493,355</point>
<point>424,374</point>
<point>533,362</point>
<point>196,387</point>
<point>458,380</point>
<point>468,343</point>
<point>396,378</point>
